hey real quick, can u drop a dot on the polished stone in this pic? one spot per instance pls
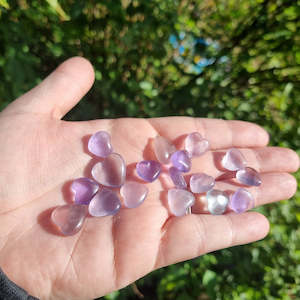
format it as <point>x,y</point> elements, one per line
<point>69,218</point>
<point>99,144</point>
<point>217,202</point>
<point>111,171</point>
<point>180,201</point>
<point>104,203</point>
<point>241,201</point>
<point>163,149</point>
<point>181,160</point>
<point>248,176</point>
<point>83,190</point>
<point>148,170</point>
<point>177,178</point>
<point>234,160</point>
<point>201,183</point>
<point>133,193</point>
<point>196,145</point>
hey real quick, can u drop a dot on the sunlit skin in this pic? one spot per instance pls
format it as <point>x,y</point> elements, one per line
<point>40,154</point>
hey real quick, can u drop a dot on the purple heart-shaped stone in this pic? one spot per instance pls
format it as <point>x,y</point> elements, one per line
<point>99,144</point>
<point>83,190</point>
<point>241,200</point>
<point>111,171</point>
<point>148,170</point>
<point>181,160</point>
<point>69,218</point>
<point>179,201</point>
<point>248,176</point>
<point>177,178</point>
<point>104,203</point>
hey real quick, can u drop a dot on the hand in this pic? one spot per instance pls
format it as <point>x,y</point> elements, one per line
<point>39,153</point>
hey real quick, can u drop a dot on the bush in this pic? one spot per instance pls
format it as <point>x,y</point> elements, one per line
<point>224,59</point>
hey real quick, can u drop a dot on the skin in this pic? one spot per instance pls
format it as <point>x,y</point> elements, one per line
<point>40,154</point>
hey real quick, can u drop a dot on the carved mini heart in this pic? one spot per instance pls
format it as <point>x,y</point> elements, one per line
<point>133,193</point>
<point>195,144</point>
<point>111,171</point>
<point>69,218</point>
<point>104,203</point>
<point>179,201</point>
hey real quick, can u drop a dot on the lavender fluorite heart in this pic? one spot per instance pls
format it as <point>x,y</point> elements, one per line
<point>148,170</point>
<point>104,203</point>
<point>195,144</point>
<point>111,171</point>
<point>217,201</point>
<point>133,193</point>
<point>234,160</point>
<point>201,183</point>
<point>99,144</point>
<point>241,200</point>
<point>69,218</point>
<point>248,176</point>
<point>163,149</point>
<point>177,178</point>
<point>179,201</point>
<point>181,160</point>
<point>83,190</point>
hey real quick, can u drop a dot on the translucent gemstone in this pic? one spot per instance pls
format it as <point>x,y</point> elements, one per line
<point>69,218</point>
<point>84,189</point>
<point>234,160</point>
<point>148,170</point>
<point>99,144</point>
<point>201,183</point>
<point>241,200</point>
<point>179,201</point>
<point>134,194</point>
<point>163,149</point>
<point>181,160</point>
<point>177,178</point>
<point>111,171</point>
<point>248,176</point>
<point>217,201</point>
<point>104,203</point>
<point>195,144</point>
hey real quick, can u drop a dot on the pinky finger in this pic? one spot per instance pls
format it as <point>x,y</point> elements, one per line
<point>194,235</point>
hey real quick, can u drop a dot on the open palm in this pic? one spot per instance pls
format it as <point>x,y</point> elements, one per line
<point>40,154</point>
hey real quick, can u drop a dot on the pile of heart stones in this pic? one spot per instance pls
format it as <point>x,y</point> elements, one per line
<point>110,173</point>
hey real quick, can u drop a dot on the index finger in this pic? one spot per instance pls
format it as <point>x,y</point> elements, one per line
<point>221,134</point>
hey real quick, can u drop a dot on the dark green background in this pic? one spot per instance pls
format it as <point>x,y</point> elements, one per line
<point>254,74</point>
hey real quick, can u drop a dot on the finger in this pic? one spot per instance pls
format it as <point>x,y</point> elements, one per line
<point>193,235</point>
<point>274,187</point>
<point>220,133</point>
<point>59,92</point>
<point>265,159</point>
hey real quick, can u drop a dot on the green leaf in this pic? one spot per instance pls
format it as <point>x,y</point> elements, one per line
<point>4,4</point>
<point>58,9</point>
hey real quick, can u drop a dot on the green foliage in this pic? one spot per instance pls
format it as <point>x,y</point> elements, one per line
<point>252,73</point>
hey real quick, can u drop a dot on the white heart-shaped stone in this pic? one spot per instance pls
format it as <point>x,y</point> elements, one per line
<point>133,193</point>
<point>163,149</point>
<point>217,202</point>
<point>234,160</point>
<point>195,144</point>
<point>179,201</point>
<point>111,171</point>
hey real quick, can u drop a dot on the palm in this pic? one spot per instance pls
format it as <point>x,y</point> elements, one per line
<point>40,154</point>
